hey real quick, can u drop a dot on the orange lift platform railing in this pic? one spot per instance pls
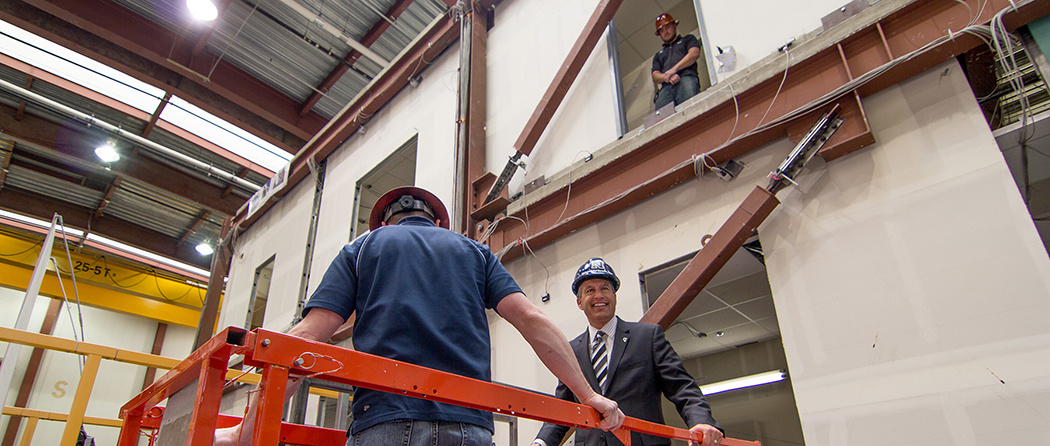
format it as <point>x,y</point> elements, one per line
<point>194,389</point>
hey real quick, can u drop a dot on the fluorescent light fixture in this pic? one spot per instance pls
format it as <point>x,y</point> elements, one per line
<point>38,223</point>
<point>742,382</point>
<point>148,255</point>
<point>205,249</point>
<point>202,10</point>
<point>107,153</point>
<point>105,241</point>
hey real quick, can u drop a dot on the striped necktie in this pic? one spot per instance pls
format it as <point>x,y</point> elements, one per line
<point>599,360</point>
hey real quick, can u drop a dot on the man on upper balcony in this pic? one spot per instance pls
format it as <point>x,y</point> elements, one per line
<point>674,67</point>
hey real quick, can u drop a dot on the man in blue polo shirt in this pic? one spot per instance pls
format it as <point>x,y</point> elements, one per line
<point>419,292</point>
<point>674,67</point>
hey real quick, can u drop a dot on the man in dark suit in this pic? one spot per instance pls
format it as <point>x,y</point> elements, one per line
<point>630,363</point>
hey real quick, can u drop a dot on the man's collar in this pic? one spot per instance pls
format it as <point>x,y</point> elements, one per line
<point>415,220</point>
<point>609,328</point>
<point>679,36</point>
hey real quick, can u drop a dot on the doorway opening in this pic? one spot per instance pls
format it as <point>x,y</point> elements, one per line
<point>398,169</point>
<point>730,331</point>
<point>260,294</point>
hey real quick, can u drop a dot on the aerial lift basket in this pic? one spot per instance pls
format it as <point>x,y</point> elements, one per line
<point>194,390</point>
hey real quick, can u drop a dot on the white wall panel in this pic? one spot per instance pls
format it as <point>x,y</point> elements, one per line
<point>281,231</point>
<point>428,110</point>
<point>650,233</point>
<point>756,28</point>
<point>527,47</point>
<point>910,282</point>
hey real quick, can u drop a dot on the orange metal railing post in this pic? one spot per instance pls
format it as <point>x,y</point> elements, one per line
<point>129,430</point>
<point>209,395</point>
<point>80,400</point>
<point>271,405</point>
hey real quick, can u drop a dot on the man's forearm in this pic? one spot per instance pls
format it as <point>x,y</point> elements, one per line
<point>547,341</point>
<point>690,58</point>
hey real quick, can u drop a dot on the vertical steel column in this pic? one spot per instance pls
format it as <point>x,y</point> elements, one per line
<point>158,344</point>
<point>476,113</point>
<point>311,239</point>
<point>220,268</point>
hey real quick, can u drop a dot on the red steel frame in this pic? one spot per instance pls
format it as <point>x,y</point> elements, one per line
<point>281,356</point>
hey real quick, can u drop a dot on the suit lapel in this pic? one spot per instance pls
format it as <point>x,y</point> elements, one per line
<point>620,344</point>
<point>582,349</point>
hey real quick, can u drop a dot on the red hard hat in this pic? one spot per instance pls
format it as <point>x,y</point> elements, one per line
<point>662,20</point>
<point>394,197</point>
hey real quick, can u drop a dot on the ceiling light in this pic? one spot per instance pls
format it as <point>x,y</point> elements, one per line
<point>203,10</point>
<point>205,249</point>
<point>107,153</point>
<point>742,382</point>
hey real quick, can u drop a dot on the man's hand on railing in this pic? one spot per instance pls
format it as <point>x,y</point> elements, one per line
<point>612,417</point>
<point>231,436</point>
<point>712,436</point>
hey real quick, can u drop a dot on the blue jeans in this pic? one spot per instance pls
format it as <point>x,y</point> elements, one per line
<point>422,433</point>
<point>686,88</point>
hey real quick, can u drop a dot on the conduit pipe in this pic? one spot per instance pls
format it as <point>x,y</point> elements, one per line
<point>316,19</point>
<point>459,203</point>
<point>91,120</point>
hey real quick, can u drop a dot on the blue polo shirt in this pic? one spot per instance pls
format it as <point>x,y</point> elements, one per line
<point>420,294</point>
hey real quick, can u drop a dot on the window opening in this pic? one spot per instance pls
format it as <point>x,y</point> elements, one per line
<point>636,43</point>
<point>730,331</point>
<point>398,169</point>
<point>260,294</point>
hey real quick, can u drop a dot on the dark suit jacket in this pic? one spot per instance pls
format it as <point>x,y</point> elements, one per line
<point>642,366</point>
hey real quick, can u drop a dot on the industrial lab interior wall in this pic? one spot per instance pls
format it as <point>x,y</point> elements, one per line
<point>911,285</point>
<point>527,47</point>
<point>759,29</point>
<point>56,384</point>
<point>279,233</point>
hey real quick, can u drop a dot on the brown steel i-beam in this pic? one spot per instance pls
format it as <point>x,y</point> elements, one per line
<point>158,345</point>
<point>32,370</point>
<point>6,163</point>
<point>201,218</point>
<point>119,37</point>
<point>22,103</point>
<point>657,163</point>
<point>559,87</point>
<point>69,141</point>
<point>220,268</point>
<point>340,69</point>
<point>438,36</point>
<point>567,73</point>
<point>714,255</point>
<point>475,162</point>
